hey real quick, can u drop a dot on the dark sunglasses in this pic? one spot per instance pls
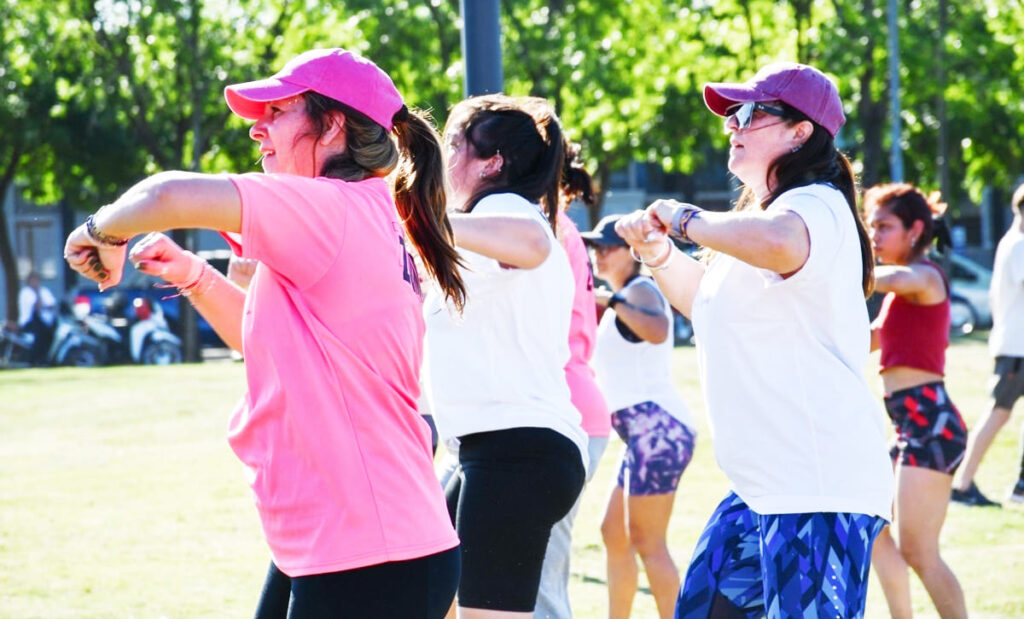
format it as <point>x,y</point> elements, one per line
<point>744,112</point>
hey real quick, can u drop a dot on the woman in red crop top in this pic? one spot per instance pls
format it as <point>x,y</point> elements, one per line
<point>912,331</point>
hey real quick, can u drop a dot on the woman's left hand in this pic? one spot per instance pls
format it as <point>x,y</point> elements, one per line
<point>644,233</point>
<point>101,263</point>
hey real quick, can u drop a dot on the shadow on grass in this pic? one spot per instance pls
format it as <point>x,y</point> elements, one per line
<point>590,580</point>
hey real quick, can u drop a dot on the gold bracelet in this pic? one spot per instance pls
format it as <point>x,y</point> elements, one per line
<point>99,238</point>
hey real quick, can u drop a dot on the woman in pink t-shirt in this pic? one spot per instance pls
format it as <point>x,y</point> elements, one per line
<point>331,328</point>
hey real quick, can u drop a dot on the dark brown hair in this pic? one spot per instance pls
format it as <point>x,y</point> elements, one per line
<point>577,183</point>
<point>527,134</point>
<point>414,155</point>
<point>817,161</point>
<point>908,204</point>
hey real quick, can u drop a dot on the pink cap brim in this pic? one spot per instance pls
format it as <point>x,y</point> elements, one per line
<point>719,97</point>
<point>249,99</point>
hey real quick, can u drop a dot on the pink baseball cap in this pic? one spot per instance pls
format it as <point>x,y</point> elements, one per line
<point>798,85</point>
<point>335,73</point>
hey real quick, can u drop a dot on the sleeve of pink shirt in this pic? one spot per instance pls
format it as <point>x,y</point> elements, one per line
<point>586,396</point>
<point>293,224</point>
<point>583,330</point>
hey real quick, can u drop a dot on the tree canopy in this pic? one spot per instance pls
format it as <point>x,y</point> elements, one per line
<point>98,94</point>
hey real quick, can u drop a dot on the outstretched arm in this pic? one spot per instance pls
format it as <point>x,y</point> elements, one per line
<point>919,282</point>
<point>777,241</point>
<point>515,240</point>
<point>165,201</point>
<point>677,274</point>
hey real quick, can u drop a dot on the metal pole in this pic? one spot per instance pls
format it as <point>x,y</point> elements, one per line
<point>481,46</point>
<point>896,150</point>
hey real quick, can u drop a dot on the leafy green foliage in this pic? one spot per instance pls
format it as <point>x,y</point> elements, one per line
<point>97,94</point>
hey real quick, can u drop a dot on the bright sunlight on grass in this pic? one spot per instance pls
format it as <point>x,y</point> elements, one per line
<point>119,497</point>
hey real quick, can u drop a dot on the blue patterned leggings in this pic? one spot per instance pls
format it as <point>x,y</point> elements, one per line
<point>783,565</point>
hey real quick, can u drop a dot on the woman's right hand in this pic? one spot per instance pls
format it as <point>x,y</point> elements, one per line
<point>156,254</point>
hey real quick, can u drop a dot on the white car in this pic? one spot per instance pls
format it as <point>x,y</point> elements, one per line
<point>969,304</point>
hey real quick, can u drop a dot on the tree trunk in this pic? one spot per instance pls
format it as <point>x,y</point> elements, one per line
<point>7,258</point>
<point>872,113</point>
<point>189,323</point>
<point>940,104</point>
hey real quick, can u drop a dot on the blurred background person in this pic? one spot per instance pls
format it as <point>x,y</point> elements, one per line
<point>634,368</point>
<point>1006,344</point>
<point>37,314</point>
<point>912,331</point>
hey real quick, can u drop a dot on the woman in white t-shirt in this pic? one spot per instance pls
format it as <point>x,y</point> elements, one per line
<point>495,374</point>
<point>633,362</point>
<point>782,337</point>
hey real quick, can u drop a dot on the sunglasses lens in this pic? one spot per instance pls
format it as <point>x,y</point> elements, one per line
<point>744,115</point>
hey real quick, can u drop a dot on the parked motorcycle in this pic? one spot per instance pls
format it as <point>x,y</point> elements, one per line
<point>127,333</point>
<point>74,342</point>
<point>15,348</point>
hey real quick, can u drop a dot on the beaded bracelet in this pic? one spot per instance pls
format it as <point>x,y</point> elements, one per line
<point>680,221</point>
<point>99,238</point>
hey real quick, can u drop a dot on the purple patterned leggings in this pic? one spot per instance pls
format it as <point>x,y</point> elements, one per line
<point>658,448</point>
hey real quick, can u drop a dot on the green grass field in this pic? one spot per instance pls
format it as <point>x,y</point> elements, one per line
<point>119,497</point>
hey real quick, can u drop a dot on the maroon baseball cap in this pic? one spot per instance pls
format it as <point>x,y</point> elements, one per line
<point>335,73</point>
<point>798,85</point>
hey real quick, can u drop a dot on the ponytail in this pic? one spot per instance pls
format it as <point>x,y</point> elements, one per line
<point>943,238</point>
<point>576,181</point>
<point>527,134</point>
<point>551,167</point>
<point>420,198</point>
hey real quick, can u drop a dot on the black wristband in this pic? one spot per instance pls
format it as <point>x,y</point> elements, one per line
<point>615,299</point>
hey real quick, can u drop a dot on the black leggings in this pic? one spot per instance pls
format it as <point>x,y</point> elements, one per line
<point>417,588</point>
<point>512,486</point>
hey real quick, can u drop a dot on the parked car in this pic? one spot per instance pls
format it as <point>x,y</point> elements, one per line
<point>969,303</point>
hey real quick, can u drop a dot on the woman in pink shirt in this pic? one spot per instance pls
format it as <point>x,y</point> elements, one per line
<point>553,594</point>
<point>335,451</point>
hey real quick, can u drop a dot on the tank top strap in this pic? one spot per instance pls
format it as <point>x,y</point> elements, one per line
<point>942,273</point>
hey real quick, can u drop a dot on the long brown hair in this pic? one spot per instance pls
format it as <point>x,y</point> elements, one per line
<point>414,155</point>
<point>817,161</point>
<point>530,144</point>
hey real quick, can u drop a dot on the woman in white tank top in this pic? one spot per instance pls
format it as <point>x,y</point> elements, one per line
<point>633,362</point>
